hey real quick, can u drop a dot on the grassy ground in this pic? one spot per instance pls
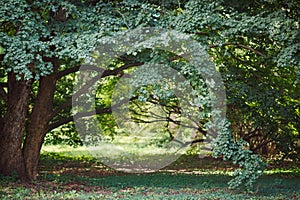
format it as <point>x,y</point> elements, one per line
<point>71,174</point>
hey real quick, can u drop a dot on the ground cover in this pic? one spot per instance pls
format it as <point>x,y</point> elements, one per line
<point>72,174</point>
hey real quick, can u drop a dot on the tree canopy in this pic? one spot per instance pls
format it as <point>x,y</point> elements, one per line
<point>254,45</point>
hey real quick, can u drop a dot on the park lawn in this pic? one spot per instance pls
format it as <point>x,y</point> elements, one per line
<point>71,174</point>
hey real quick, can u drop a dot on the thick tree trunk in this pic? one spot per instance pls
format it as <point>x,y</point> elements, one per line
<point>13,156</point>
<point>38,123</point>
<point>13,127</point>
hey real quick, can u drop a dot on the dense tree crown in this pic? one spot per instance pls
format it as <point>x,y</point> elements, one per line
<point>254,45</point>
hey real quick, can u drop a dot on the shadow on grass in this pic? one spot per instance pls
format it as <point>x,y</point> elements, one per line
<point>188,172</point>
<point>80,177</point>
<point>268,186</point>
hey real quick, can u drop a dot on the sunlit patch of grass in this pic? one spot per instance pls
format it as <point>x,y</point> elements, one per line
<point>66,150</point>
<point>291,172</point>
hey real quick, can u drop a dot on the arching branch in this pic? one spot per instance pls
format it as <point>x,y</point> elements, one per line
<point>102,73</point>
<point>100,110</point>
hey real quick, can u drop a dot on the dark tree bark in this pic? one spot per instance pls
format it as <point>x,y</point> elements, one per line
<point>22,129</point>
<point>39,122</point>
<point>13,128</point>
<point>16,155</point>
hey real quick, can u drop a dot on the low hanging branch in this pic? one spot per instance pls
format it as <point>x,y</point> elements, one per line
<point>167,118</point>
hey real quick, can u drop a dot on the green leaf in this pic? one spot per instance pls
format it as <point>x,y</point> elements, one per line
<point>1,50</point>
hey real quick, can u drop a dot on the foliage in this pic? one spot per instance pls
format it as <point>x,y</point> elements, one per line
<point>255,46</point>
<point>252,165</point>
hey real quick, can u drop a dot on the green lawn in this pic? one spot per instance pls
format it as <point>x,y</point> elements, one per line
<point>71,174</point>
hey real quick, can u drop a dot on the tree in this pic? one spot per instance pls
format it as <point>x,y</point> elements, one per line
<point>42,44</point>
<point>45,43</point>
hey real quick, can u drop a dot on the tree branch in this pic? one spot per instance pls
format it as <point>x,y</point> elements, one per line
<point>107,110</point>
<point>67,71</point>
<point>120,69</point>
<point>239,45</point>
<point>3,94</point>
<point>102,73</point>
<point>3,84</point>
<point>167,120</point>
<point>66,120</point>
<point>255,149</point>
<point>97,69</point>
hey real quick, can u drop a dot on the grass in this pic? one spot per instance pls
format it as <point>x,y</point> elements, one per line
<point>66,173</point>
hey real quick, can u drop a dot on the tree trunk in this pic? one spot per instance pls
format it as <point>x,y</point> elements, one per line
<point>12,132</point>
<point>38,123</point>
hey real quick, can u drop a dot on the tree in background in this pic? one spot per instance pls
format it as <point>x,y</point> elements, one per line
<point>256,48</point>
